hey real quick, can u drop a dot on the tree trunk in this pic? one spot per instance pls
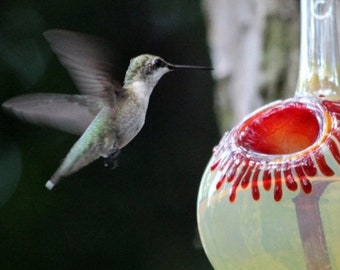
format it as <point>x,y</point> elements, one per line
<point>254,48</point>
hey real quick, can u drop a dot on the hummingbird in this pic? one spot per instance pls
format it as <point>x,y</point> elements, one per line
<point>106,115</point>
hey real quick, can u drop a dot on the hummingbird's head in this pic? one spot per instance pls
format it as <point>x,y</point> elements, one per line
<point>148,69</point>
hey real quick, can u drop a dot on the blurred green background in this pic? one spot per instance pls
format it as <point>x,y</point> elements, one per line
<point>141,215</point>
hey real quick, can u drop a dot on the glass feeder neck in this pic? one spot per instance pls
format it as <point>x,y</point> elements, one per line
<point>319,56</point>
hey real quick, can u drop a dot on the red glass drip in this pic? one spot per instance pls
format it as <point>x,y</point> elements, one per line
<point>306,185</point>
<point>267,180</point>
<point>278,185</point>
<point>232,193</point>
<point>221,181</point>
<point>290,182</point>
<point>214,166</point>
<point>254,187</point>
<point>246,178</point>
<point>309,167</point>
<point>334,149</point>
<point>325,169</point>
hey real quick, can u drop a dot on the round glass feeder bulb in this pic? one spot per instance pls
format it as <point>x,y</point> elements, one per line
<point>246,204</point>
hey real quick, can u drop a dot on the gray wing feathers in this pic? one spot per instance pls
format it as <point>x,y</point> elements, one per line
<point>86,58</point>
<point>69,113</point>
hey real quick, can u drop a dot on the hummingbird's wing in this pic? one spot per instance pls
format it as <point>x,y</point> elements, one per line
<point>86,58</point>
<point>69,113</point>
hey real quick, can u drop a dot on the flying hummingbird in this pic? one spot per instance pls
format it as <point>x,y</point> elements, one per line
<point>106,115</point>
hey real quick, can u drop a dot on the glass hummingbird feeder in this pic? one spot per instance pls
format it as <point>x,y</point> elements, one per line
<point>270,195</point>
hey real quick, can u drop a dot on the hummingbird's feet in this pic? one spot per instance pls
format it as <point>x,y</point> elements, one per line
<point>112,160</point>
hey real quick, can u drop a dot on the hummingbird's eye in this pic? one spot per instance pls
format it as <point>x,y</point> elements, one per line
<point>158,63</point>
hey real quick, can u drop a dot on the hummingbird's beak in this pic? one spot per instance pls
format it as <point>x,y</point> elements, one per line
<point>176,67</point>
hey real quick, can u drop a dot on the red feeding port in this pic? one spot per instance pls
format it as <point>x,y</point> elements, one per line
<point>286,144</point>
<point>280,130</point>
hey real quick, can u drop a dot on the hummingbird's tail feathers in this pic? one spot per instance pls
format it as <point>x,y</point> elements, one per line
<point>49,185</point>
<point>69,113</point>
<point>55,178</point>
<point>86,150</point>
